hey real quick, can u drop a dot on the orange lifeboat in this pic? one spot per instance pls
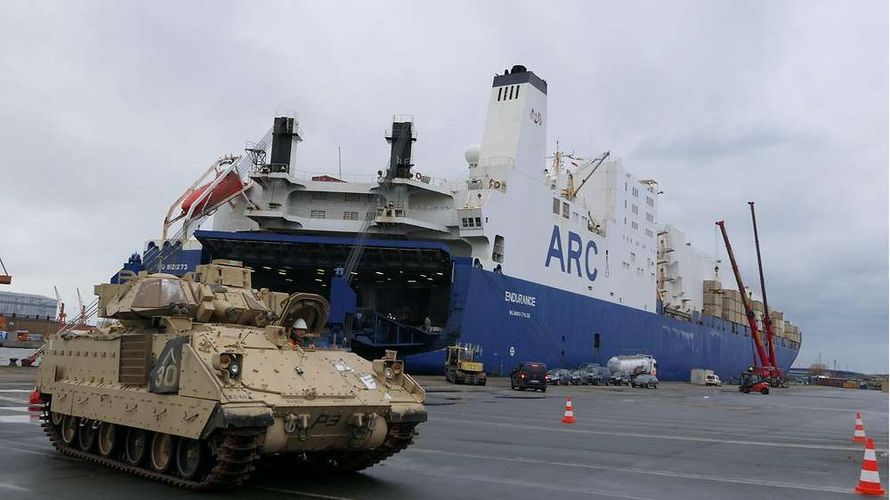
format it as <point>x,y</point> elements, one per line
<point>228,186</point>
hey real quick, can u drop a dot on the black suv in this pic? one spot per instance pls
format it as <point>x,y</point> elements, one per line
<point>529,375</point>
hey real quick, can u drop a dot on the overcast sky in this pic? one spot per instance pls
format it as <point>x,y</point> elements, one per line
<point>108,110</point>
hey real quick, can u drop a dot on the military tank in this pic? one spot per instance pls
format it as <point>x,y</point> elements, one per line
<point>196,378</point>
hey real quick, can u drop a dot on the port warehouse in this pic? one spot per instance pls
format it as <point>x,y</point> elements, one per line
<point>27,313</point>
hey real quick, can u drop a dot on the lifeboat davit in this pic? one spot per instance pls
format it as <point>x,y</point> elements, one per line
<point>228,186</point>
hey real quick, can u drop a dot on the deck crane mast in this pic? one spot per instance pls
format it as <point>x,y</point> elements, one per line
<point>5,277</point>
<point>764,369</point>
<point>62,315</point>
<point>776,376</point>
<point>83,310</point>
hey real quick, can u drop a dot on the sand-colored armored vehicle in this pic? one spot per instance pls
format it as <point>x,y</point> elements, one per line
<point>200,376</point>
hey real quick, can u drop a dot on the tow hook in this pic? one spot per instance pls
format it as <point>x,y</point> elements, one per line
<point>362,424</point>
<point>297,424</point>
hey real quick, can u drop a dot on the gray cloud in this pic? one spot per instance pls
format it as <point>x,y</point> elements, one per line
<point>108,110</point>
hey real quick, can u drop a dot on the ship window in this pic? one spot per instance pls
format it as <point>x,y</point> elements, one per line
<point>316,214</point>
<point>650,201</point>
<point>625,204</point>
<point>497,254</point>
<point>556,206</point>
<point>350,215</point>
<point>511,92</point>
<point>463,222</point>
<point>596,341</point>
<point>636,192</point>
<point>649,233</point>
<point>517,91</point>
<point>650,217</point>
<point>565,210</point>
<point>634,225</point>
<point>499,93</point>
<point>625,186</point>
<point>635,209</point>
<point>478,222</point>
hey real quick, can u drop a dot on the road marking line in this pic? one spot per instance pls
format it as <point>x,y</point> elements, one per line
<point>655,436</point>
<point>18,419</point>
<point>12,487</point>
<point>636,470</point>
<point>300,493</point>
<point>20,408</point>
<point>19,401</point>
<point>25,391</point>
<point>518,482</point>
<point>20,450</point>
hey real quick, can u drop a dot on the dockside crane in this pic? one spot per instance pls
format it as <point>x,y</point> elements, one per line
<point>776,376</point>
<point>764,369</point>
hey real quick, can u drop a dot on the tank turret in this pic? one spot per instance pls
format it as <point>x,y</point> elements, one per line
<point>200,376</point>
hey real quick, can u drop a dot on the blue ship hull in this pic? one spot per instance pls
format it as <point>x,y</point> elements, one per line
<point>564,330</point>
<point>510,320</point>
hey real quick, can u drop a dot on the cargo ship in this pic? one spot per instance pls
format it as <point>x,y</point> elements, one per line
<point>525,256</point>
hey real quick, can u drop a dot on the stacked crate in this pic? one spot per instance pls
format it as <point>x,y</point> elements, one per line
<point>757,307</point>
<point>778,319</point>
<point>732,309</point>
<point>712,299</point>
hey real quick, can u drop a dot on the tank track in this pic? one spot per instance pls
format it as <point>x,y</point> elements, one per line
<point>397,439</point>
<point>237,452</point>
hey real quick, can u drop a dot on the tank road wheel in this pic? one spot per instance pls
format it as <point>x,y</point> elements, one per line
<point>135,446</point>
<point>69,429</point>
<point>189,457</point>
<point>86,436</point>
<point>161,451</point>
<point>56,418</point>
<point>107,438</point>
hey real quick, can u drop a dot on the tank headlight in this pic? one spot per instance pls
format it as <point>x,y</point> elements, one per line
<point>389,373</point>
<point>230,363</point>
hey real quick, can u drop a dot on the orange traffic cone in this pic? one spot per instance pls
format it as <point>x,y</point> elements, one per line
<point>869,481</point>
<point>859,430</point>
<point>569,416</point>
<point>35,397</point>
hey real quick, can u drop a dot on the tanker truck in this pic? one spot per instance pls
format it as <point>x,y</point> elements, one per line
<point>632,365</point>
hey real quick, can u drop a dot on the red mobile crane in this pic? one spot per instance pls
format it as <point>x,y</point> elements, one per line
<point>776,376</point>
<point>764,370</point>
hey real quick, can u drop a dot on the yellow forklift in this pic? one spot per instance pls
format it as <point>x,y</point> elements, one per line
<point>461,368</point>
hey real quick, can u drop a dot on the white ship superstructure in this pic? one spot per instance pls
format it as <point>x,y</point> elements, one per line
<point>560,258</point>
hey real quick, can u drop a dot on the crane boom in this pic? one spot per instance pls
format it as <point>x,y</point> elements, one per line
<point>749,313</point>
<point>598,161</point>
<point>62,314</point>
<point>767,322</point>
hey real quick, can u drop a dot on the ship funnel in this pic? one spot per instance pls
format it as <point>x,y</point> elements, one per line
<point>285,136</point>
<point>400,138</point>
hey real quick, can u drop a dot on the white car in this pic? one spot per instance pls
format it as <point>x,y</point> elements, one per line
<point>713,380</point>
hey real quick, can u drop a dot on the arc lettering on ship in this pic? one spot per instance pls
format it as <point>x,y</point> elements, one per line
<point>576,249</point>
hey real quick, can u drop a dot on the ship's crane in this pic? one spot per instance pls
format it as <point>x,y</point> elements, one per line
<point>62,315</point>
<point>571,191</point>
<point>5,277</point>
<point>776,376</point>
<point>83,310</point>
<point>764,370</point>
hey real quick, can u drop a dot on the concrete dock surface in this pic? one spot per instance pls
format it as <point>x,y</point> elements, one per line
<point>678,441</point>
